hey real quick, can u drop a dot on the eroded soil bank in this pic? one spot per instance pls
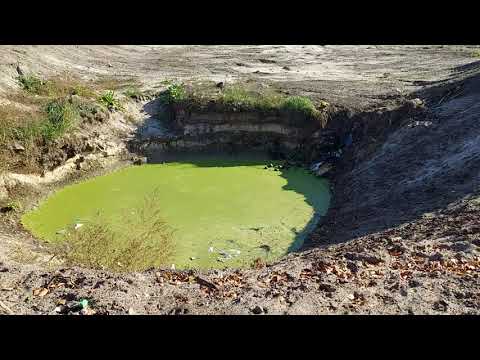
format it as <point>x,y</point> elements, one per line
<point>402,235</point>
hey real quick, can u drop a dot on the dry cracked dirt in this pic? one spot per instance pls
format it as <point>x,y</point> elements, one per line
<point>402,235</point>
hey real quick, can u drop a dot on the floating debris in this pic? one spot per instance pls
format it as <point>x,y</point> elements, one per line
<point>77,226</point>
<point>265,247</point>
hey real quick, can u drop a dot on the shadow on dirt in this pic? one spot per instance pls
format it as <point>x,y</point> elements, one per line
<point>427,164</point>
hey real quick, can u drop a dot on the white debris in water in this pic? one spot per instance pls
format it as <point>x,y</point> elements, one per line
<point>77,226</point>
<point>173,267</point>
<point>316,166</point>
<point>192,258</point>
<point>235,252</point>
<point>225,254</point>
<point>210,249</point>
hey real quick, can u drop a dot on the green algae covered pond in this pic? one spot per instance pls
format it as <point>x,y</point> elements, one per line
<point>222,211</point>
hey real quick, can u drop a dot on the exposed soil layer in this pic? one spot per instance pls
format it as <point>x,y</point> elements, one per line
<point>402,237</point>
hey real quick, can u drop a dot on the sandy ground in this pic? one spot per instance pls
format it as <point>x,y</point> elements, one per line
<point>402,237</point>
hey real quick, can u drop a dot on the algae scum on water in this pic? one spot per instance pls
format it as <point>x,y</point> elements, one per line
<point>202,213</point>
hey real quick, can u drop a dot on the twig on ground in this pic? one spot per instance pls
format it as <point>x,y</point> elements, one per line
<point>6,308</point>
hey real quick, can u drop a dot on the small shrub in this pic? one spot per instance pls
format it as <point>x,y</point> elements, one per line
<point>175,93</point>
<point>31,83</point>
<point>60,116</point>
<point>300,104</point>
<point>134,243</point>
<point>476,53</point>
<point>109,100</point>
<point>133,93</point>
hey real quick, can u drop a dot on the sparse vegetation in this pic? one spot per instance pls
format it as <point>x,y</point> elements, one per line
<point>61,115</point>
<point>133,92</point>
<point>102,245</point>
<point>110,101</point>
<point>301,104</point>
<point>238,97</point>
<point>42,111</point>
<point>175,93</point>
<point>31,83</point>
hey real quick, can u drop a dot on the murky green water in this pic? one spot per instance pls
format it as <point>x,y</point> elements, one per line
<point>225,212</point>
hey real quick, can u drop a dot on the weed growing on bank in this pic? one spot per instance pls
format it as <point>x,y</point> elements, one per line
<point>237,97</point>
<point>139,240</point>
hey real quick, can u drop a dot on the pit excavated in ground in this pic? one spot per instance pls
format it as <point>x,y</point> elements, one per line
<point>402,234</point>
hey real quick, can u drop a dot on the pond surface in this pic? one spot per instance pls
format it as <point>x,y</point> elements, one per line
<point>224,211</point>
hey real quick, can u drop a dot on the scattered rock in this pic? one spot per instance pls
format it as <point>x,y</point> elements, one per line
<point>257,310</point>
<point>139,160</point>
<point>326,287</point>
<point>435,257</point>
<point>203,282</point>
<point>460,247</point>
<point>17,147</point>
<point>267,61</point>
<point>6,209</point>
<point>286,68</point>
<point>369,259</point>
<point>440,306</point>
<point>413,283</point>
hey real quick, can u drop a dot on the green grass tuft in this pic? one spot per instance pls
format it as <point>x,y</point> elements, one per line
<point>175,93</point>
<point>133,93</point>
<point>300,104</point>
<point>110,101</point>
<point>31,83</point>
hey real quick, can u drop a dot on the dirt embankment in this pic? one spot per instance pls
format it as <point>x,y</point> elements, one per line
<point>403,234</point>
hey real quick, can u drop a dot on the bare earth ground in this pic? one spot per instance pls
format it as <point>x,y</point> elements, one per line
<point>403,234</point>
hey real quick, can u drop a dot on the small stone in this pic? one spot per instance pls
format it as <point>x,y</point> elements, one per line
<point>18,147</point>
<point>413,283</point>
<point>440,305</point>
<point>435,257</point>
<point>257,310</point>
<point>173,267</point>
<point>286,68</point>
<point>192,258</point>
<point>77,226</point>
<point>132,312</point>
<point>139,160</point>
